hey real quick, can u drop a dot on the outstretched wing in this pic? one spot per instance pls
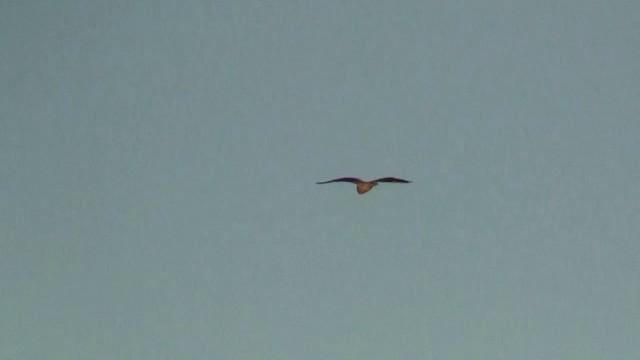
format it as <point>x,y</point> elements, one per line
<point>392,180</point>
<point>344,179</point>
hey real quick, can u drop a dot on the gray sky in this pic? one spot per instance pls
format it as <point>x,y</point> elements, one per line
<point>159,160</point>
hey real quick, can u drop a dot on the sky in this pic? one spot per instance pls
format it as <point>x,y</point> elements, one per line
<point>158,162</point>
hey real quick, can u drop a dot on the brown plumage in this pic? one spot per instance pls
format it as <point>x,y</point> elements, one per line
<point>364,186</point>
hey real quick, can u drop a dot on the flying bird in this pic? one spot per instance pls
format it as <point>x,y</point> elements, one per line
<point>364,186</point>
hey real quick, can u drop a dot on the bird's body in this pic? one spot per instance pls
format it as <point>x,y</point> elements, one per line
<point>364,186</point>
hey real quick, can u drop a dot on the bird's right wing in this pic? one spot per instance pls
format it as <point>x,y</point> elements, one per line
<point>344,179</point>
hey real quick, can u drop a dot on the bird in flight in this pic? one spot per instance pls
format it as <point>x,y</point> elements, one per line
<point>364,186</point>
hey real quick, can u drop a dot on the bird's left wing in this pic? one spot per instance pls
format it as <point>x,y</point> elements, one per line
<point>392,180</point>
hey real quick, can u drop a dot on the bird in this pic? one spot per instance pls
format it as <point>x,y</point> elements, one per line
<point>364,186</point>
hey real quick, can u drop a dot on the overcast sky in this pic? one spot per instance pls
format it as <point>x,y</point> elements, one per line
<point>158,162</point>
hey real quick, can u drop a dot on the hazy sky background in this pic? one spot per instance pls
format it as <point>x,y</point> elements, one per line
<point>158,162</point>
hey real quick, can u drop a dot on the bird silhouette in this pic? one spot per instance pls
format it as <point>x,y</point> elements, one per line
<point>364,186</point>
